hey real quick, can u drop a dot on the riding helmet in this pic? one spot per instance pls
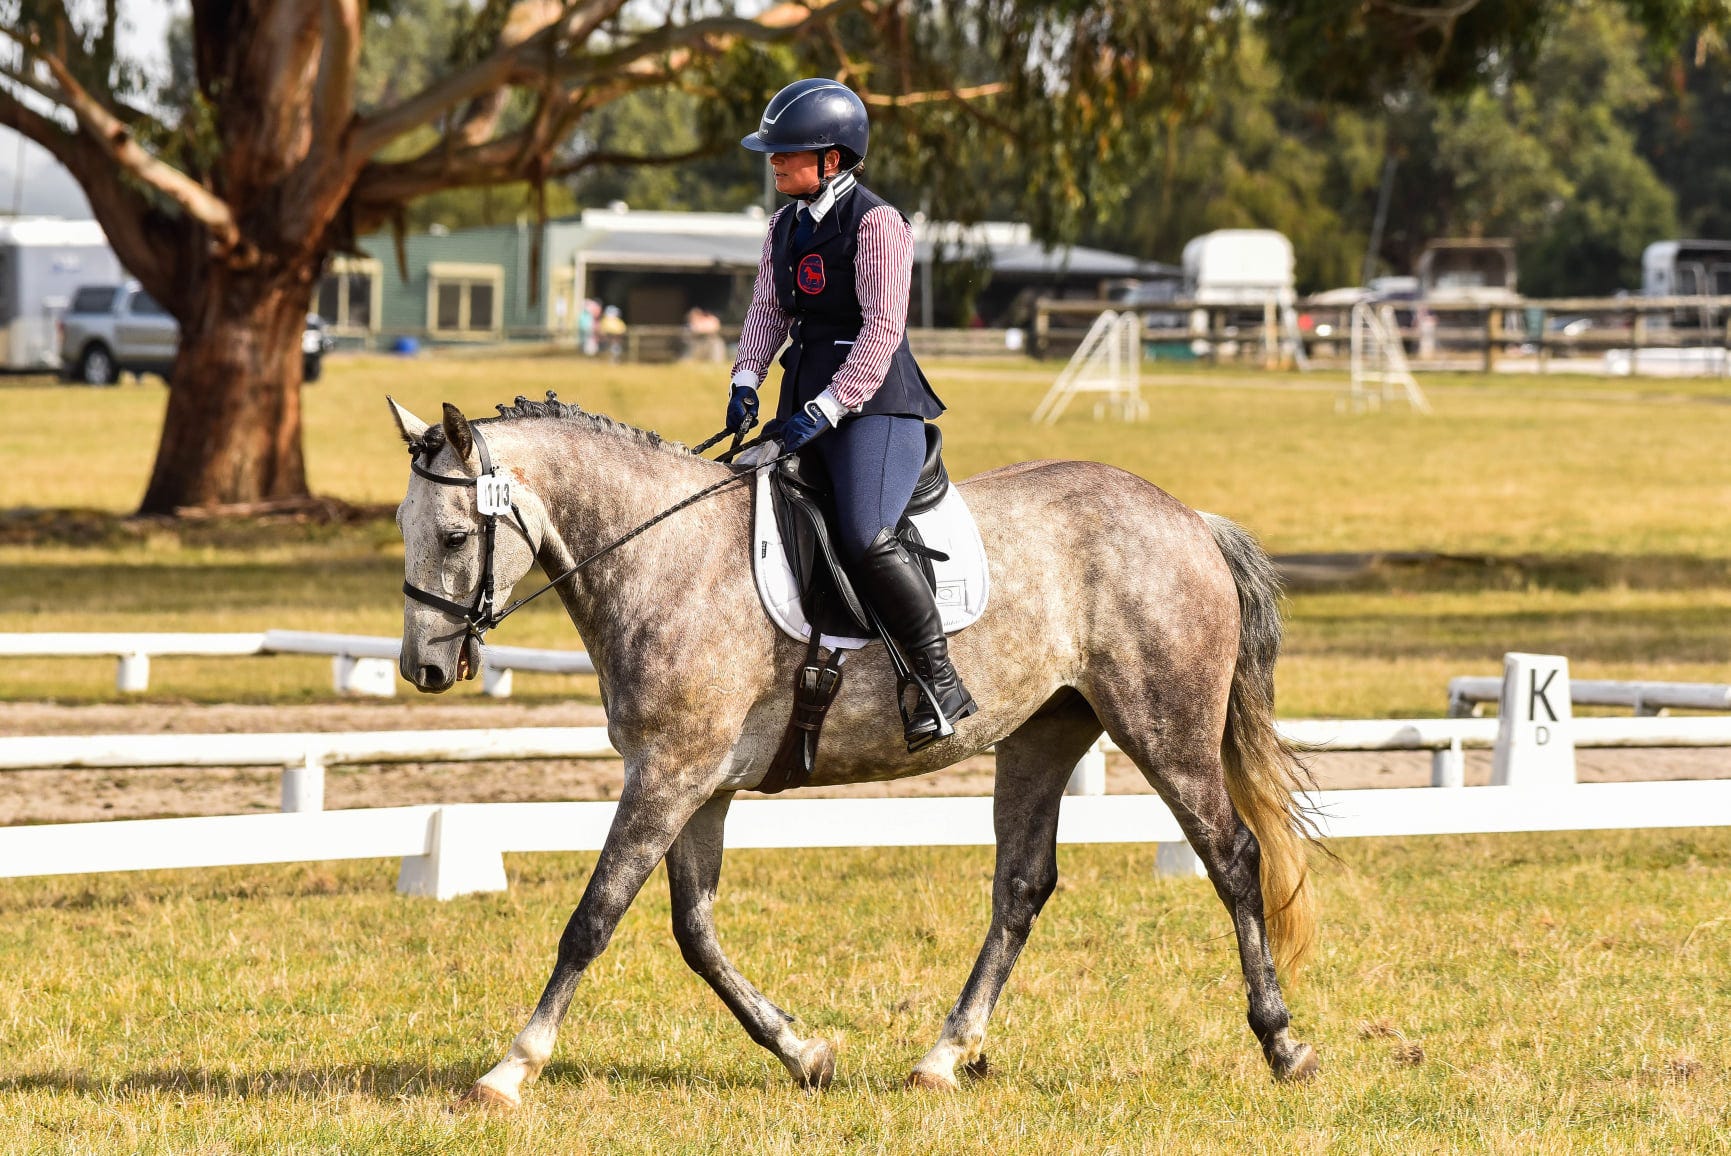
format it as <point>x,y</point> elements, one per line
<point>812,116</point>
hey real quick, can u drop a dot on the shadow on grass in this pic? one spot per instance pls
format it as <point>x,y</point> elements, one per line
<point>381,1080</point>
<point>391,1080</point>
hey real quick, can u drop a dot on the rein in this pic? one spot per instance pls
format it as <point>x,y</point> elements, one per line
<point>493,500</point>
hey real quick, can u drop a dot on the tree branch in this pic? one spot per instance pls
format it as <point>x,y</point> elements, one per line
<point>116,140</point>
<point>140,237</point>
<point>593,160</point>
<point>334,102</point>
<point>956,94</point>
<point>505,65</point>
<point>526,20</point>
<point>711,34</point>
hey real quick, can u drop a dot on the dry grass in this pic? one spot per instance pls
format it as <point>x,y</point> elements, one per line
<point>310,1009</point>
<point>1558,466</point>
<point>1551,993</point>
<point>1613,477</point>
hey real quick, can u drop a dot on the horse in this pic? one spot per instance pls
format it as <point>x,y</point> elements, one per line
<point>1113,607</point>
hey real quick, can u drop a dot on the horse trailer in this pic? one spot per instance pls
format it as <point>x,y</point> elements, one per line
<point>1686,269</point>
<point>43,260</point>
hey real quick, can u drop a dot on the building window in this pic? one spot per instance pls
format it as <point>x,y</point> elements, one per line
<point>349,295</point>
<point>464,300</point>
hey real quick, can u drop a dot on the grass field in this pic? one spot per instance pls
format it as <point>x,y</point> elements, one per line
<point>1530,994</point>
<point>1563,994</point>
<point>1583,514</point>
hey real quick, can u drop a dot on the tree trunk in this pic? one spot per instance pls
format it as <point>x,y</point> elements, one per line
<point>233,428</point>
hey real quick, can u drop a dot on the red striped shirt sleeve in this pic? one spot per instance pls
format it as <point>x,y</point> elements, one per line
<point>766,323</point>
<point>883,274</point>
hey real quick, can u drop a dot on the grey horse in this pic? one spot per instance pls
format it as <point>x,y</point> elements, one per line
<point>1114,607</point>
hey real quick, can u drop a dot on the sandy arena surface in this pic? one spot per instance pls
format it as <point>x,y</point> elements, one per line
<point>73,796</point>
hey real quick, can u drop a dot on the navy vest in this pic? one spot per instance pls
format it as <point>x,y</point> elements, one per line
<point>815,286</point>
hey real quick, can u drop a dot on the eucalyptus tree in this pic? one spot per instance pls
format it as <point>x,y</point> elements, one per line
<point>225,194</point>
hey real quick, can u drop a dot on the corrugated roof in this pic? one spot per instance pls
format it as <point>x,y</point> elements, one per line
<point>628,249</point>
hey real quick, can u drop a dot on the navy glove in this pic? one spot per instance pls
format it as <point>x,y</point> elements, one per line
<point>798,431</point>
<point>741,409</point>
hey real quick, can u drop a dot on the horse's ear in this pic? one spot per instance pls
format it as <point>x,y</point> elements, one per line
<point>457,432</point>
<point>413,429</point>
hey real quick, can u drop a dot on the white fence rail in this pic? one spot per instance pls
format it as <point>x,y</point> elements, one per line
<point>1467,695</point>
<point>360,663</point>
<point>457,849</point>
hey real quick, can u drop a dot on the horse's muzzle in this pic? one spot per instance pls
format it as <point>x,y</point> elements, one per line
<point>432,679</point>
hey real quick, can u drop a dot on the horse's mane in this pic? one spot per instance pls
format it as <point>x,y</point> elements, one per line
<point>523,409</point>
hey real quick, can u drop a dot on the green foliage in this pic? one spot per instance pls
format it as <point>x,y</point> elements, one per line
<point>1683,135</point>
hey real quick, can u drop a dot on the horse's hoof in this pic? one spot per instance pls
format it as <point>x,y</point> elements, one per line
<point>978,1068</point>
<point>481,1098</point>
<point>818,1064</point>
<point>1302,1065</point>
<point>930,1081</point>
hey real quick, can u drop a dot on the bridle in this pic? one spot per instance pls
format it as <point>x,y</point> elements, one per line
<point>493,500</point>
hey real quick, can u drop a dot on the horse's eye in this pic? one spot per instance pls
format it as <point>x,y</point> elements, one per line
<point>456,538</point>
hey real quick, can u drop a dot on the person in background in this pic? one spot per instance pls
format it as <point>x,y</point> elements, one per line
<point>586,315</point>
<point>834,280</point>
<point>612,329</point>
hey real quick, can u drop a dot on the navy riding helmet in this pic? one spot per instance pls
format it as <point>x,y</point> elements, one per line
<point>813,116</point>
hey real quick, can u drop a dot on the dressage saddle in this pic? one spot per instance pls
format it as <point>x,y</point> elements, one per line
<point>803,501</point>
<point>804,504</point>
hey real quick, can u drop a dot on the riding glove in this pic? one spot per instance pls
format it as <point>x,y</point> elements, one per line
<point>802,427</point>
<point>742,405</point>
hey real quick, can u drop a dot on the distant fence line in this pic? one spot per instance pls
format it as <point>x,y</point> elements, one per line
<point>1634,334</point>
<point>360,663</point>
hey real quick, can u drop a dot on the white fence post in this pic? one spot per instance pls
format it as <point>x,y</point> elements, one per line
<point>1535,729</point>
<point>370,676</point>
<point>461,860</point>
<point>1089,777</point>
<point>1177,859</point>
<point>133,674</point>
<point>496,681</point>
<point>303,785</point>
<point>1448,767</point>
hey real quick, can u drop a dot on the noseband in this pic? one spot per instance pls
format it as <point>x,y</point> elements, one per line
<point>492,499</point>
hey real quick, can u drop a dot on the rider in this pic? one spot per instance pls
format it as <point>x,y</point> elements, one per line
<point>835,272</point>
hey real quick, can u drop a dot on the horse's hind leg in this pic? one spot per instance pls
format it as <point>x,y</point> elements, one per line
<point>1034,763</point>
<point>693,872</point>
<point>1184,766</point>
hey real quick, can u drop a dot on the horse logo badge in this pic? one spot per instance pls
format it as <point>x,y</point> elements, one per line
<point>810,275</point>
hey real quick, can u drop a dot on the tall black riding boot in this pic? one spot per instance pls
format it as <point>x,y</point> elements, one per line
<point>891,580</point>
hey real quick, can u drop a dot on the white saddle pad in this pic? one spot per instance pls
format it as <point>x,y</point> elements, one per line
<point>963,582</point>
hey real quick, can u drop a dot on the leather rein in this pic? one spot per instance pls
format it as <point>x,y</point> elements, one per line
<point>493,500</point>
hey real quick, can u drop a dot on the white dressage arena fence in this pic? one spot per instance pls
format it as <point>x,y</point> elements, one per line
<point>1468,695</point>
<point>458,849</point>
<point>360,663</point>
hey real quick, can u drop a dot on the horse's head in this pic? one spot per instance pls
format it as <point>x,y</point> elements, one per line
<point>449,550</point>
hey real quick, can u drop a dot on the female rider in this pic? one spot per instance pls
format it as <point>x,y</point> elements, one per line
<point>834,279</point>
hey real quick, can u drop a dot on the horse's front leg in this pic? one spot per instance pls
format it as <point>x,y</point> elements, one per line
<point>653,809</point>
<point>693,873</point>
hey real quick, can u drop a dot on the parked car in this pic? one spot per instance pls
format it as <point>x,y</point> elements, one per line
<point>113,329</point>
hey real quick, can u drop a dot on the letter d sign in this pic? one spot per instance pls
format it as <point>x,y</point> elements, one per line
<point>1535,734</point>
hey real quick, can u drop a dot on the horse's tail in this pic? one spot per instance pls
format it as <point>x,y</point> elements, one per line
<point>1262,769</point>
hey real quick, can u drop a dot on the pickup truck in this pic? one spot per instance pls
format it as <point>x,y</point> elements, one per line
<point>113,329</point>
